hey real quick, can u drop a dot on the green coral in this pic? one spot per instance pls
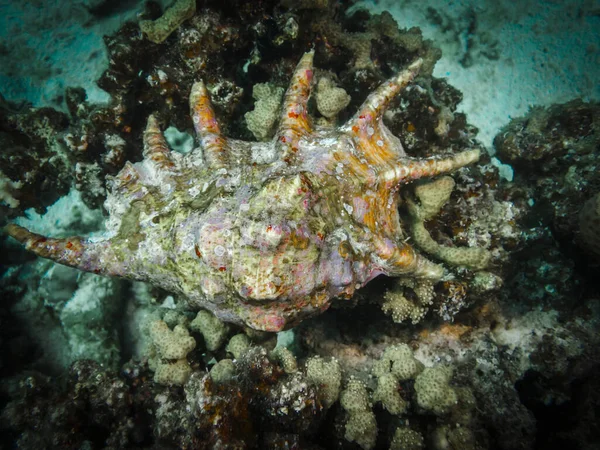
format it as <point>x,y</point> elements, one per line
<point>326,376</point>
<point>397,363</point>
<point>434,392</point>
<point>286,358</point>
<point>397,305</point>
<point>432,196</point>
<point>407,439</point>
<point>266,111</point>
<point>387,393</point>
<point>158,30</point>
<point>212,329</point>
<point>171,348</point>
<point>223,371</point>
<point>361,426</point>
<point>330,98</point>
<point>238,345</point>
<point>171,344</point>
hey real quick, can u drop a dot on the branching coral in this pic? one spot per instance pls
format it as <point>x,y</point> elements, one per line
<point>433,390</point>
<point>160,29</point>
<point>361,426</point>
<point>212,329</point>
<point>408,300</point>
<point>330,98</point>
<point>267,108</point>
<point>172,346</point>
<point>432,196</point>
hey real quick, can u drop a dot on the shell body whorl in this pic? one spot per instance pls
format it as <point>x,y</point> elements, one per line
<point>262,234</point>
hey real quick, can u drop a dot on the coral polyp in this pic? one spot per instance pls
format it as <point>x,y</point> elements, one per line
<point>262,233</point>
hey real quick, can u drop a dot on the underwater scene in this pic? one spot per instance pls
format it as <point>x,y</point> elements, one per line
<point>302,225</point>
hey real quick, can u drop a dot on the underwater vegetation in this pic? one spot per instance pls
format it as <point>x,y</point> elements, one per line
<point>333,262</point>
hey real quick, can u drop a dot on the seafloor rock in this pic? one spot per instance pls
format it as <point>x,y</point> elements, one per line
<point>555,154</point>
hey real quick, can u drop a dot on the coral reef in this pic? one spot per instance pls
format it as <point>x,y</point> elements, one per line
<point>500,350</point>
<point>432,196</point>
<point>407,439</point>
<point>554,153</point>
<point>327,376</point>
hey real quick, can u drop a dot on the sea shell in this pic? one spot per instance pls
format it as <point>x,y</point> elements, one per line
<point>262,233</point>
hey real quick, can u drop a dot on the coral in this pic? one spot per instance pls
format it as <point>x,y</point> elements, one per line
<point>220,412</point>
<point>238,345</point>
<point>463,414</point>
<point>172,373</point>
<point>160,29</point>
<point>173,318</point>
<point>294,397</point>
<point>49,152</point>
<point>172,347</point>
<point>267,109</point>
<point>433,391</point>
<point>223,371</point>
<point>282,401</point>
<point>330,98</point>
<point>361,426</point>
<point>444,437</point>
<point>432,197</point>
<point>399,361</point>
<point>34,157</point>
<point>379,31</point>
<point>286,358</point>
<point>327,377</point>
<point>512,378</point>
<point>211,328</point>
<point>87,318</point>
<point>398,305</point>
<point>7,191</point>
<point>401,309</point>
<point>553,152</point>
<point>171,344</point>
<point>485,281</point>
<point>97,400</point>
<point>263,244</point>
<point>445,119</point>
<point>387,393</point>
<point>547,134</point>
<point>407,439</point>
